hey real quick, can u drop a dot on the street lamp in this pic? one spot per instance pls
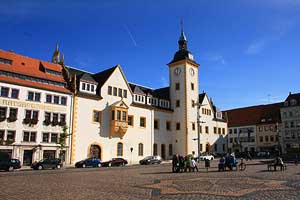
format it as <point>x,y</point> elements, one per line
<point>198,104</point>
<point>278,138</point>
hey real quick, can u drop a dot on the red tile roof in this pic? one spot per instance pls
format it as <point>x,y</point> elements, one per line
<point>253,115</point>
<point>31,67</point>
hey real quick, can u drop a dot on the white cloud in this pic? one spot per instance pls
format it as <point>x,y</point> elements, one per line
<point>256,46</point>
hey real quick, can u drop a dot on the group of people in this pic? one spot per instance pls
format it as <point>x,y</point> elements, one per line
<point>229,161</point>
<point>183,164</point>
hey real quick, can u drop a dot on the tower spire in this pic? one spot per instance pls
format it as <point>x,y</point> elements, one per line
<point>56,55</point>
<point>182,42</point>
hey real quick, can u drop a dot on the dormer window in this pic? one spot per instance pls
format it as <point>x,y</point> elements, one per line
<point>88,87</point>
<point>286,103</point>
<point>293,102</point>
<point>5,61</point>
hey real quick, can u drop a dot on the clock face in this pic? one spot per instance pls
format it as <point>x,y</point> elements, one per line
<point>177,71</point>
<point>192,72</point>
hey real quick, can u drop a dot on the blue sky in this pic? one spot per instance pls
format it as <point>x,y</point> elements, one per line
<point>248,50</point>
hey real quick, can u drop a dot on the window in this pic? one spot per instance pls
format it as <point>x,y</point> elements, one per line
<point>215,130</point>
<point>177,103</point>
<point>2,134</point>
<point>120,92</point>
<point>4,91</point>
<point>120,149</point>
<point>155,149</point>
<point>96,116</point>
<point>206,129</point>
<point>235,131</point>
<point>54,119</point>
<point>63,100</point>
<point>177,86</point>
<point>292,124</point>
<point>267,138</point>
<point>156,124</point>
<point>83,86</point>
<point>37,96</point>
<point>5,61</point>
<point>177,126</point>
<point>48,98</point>
<point>272,138</point>
<point>125,93</point>
<point>261,138</point>
<point>230,140</point>
<point>11,136</point>
<point>141,149</point>
<point>34,96</point>
<point>88,87</point>
<point>219,130</point>
<point>168,126</point>
<point>92,88</point>
<point>54,137</point>
<point>13,112</point>
<point>143,122</point>
<point>29,136</point>
<point>193,103</point>
<point>46,137</point>
<point>192,86</point>
<point>170,149</point>
<point>14,93</point>
<point>124,116</point>
<point>3,112</point>
<point>118,115</point>
<point>115,91</point>
<point>223,131</point>
<point>193,126</point>
<point>230,131</point>
<point>47,116</point>
<point>112,115</point>
<point>62,118</point>
<point>130,120</point>
<point>56,100</point>
<point>109,90</point>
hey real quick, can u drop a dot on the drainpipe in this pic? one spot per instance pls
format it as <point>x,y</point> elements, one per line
<point>70,129</point>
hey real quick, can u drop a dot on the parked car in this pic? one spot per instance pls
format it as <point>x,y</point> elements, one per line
<point>207,157</point>
<point>150,160</point>
<point>115,162</point>
<point>47,163</point>
<point>89,162</point>
<point>10,164</point>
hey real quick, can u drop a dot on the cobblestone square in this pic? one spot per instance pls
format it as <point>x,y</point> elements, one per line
<point>152,182</point>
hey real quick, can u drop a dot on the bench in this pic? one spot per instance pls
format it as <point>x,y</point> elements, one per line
<point>273,166</point>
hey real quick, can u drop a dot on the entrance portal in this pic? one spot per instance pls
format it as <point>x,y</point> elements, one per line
<point>27,157</point>
<point>95,151</point>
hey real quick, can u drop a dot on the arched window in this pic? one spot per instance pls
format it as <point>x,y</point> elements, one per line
<point>141,149</point>
<point>120,149</point>
<point>155,149</point>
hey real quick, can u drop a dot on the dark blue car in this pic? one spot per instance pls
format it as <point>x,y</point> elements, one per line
<point>89,162</point>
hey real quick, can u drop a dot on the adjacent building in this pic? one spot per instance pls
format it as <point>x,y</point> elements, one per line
<point>290,115</point>
<point>35,109</point>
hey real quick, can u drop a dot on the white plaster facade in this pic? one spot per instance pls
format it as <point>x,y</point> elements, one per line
<point>34,148</point>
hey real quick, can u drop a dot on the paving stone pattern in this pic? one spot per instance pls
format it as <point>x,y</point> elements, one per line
<point>152,182</point>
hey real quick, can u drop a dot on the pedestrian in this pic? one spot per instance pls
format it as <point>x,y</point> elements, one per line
<point>296,159</point>
<point>194,165</point>
<point>175,161</point>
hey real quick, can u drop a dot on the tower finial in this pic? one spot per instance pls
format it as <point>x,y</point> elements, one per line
<point>56,55</point>
<point>181,24</point>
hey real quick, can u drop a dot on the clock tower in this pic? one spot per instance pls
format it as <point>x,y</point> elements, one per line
<point>183,72</point>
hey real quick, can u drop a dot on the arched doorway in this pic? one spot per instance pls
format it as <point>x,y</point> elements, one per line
<point>207,147</point>
<point>95,151</point>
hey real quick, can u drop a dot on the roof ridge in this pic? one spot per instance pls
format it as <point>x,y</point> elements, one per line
<point>141,85</point>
